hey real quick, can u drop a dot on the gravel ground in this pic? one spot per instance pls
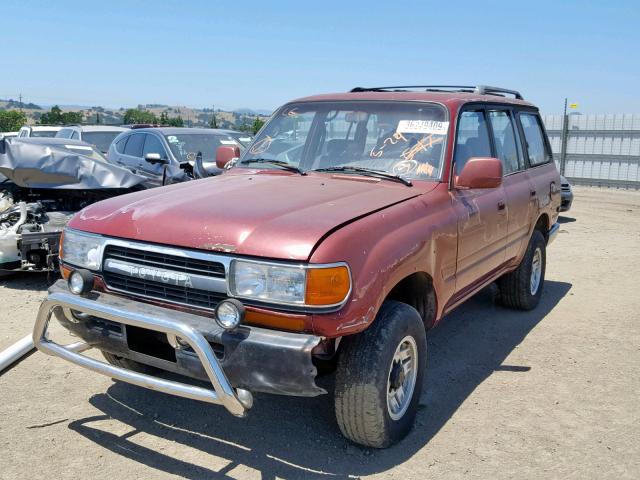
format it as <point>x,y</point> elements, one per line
<point>551,393</point>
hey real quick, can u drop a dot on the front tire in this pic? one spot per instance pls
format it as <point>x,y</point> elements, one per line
<point>522,288</point>
<point>379,377</point>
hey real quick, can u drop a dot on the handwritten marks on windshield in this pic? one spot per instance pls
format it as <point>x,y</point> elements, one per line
<point>409,164</point>
<point>261,146</point>
<point>391,140</point>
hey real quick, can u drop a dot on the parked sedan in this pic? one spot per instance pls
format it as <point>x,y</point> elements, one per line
<point>99,135</point>
<point>567,194</point>
<point>161,153</point>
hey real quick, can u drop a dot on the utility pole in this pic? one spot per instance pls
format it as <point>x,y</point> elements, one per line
<point>20,99</point>
<point>565,134</point>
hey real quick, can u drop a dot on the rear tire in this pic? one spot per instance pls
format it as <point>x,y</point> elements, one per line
<point>379,377</point>
<point>122,362</point>
<point>522,288</point>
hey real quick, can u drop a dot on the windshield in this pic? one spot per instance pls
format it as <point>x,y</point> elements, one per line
<point>43,133</point>
<point>101,140</point>
<point>185,146</point>
<point>400,138</point>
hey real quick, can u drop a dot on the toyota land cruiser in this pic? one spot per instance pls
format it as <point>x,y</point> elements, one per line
<point>349,227</point>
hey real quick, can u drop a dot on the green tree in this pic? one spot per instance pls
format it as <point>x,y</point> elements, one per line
<point>52,117</point>
<point>134,115</point>
<point>69,118</point>
<point>11,120</point>
<point>257,125</point>
<point>176,121</point>
<point>164,118</point>
<point>213,123</point>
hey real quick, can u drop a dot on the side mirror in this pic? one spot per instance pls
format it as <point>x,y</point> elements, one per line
<point>480,172</point>
<point>154,158</point>
<point>226,153</point>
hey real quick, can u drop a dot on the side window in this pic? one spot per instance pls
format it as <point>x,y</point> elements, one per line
<point>120,145</point>
<point>153,145</point>
<point>134,145</point>
<point>75,135</point>
<point>504,136</point>
<point>536,147</point>
<point>64,133</point>
<point>472,138</point>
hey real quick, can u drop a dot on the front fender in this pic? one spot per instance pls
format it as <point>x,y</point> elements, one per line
<point>382,249</point>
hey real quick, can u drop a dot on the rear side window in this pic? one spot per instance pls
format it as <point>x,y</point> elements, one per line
<point>536,147</point>
<point>472,138</point>
<point>134,145</point>
<point>75,135</point>
<point>504,136</point>
<point>120,144</point>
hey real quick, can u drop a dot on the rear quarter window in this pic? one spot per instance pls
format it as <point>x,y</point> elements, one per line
<point>535,144</point>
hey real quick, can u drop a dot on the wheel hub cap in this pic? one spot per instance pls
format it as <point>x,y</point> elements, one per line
<point>402,377</point>
<point>536,271</point>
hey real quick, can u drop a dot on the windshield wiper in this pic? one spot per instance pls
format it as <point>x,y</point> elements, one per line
<point>368,172</point>
<point>277,163</point>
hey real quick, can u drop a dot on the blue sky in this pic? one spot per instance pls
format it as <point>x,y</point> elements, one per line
<point>261,54</point>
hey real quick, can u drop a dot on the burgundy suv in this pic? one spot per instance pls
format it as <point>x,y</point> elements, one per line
<point>350,226</point>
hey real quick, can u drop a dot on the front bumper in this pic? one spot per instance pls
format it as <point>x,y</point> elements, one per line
<point>235,363</point>
<point>566,200</point>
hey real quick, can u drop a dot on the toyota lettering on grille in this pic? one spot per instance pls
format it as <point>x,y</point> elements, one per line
<point>164,276</point>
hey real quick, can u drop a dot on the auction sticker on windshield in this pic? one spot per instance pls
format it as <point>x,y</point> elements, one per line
<point>432,127</point>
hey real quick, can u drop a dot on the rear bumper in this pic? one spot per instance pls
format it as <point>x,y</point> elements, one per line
<point>234,363</point>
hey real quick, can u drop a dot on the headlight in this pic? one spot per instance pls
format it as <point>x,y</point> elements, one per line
<point>305,285</point>
<point>82,250</point>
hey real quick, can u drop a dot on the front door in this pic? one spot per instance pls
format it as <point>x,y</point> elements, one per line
<point>482,213</point>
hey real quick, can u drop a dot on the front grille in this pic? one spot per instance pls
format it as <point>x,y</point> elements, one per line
<point>565,187</point>
<point>154,289</point>
<point>163,260</point>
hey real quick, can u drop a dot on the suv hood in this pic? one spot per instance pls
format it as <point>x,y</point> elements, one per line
<point>274,215</point>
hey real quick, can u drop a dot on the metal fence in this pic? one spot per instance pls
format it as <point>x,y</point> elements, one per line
<point>601,150</point>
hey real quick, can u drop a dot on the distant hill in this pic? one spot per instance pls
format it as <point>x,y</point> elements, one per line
<point>12,104</point>
<point>193,117</point>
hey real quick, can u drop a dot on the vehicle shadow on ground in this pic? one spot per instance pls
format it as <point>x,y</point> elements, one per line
<point>290,437</point>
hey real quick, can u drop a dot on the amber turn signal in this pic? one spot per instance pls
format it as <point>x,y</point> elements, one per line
<point>327,286</point>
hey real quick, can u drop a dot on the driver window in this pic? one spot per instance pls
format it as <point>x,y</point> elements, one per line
<point>472,138</point>
<point>153,145</point>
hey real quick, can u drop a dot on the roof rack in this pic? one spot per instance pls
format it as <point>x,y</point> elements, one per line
<point>477,89</point>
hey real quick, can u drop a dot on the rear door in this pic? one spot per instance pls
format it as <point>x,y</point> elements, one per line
<point>131,158</point>
<point>518,189</point>
<point>543,173</point>
<point>482,213</point>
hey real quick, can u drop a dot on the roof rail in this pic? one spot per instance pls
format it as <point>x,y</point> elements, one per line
<point>477,89</point>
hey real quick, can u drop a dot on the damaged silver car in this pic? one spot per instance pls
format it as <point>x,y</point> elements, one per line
<point>43,183</point>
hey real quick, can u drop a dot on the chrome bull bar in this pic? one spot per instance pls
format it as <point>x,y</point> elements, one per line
<point>236,401</point>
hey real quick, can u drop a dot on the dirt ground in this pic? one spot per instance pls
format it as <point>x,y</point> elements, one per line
<point>552,393</point>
